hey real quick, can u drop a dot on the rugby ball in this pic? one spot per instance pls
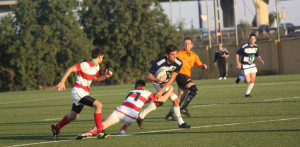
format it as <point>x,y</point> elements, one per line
<point>160,73</point>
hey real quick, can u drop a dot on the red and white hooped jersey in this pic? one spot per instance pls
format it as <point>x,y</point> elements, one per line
<point>86,72</point>
<point>134,101</point>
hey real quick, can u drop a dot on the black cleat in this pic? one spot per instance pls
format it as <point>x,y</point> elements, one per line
<point>247,96</point>
<point>102,135</point>
<point>185,112</point>
<point>237,79</point>
<point>54,131</point>
<point>184,125</point>
<point>139,122</point>
<point>83,136</point>
<point>170,117</point>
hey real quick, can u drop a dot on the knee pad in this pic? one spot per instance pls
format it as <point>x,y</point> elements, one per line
<point>193,90</point>
<point>158,104</point>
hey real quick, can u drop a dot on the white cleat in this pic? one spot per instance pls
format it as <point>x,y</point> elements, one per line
<point>122,132</point>
<point>83,136</point>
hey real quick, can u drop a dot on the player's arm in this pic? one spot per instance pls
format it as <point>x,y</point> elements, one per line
<point>61,84</point>
<point>172,78</point>
<point>261,60</point>
<point>237,59</point>
<point>107,74</point>
<point>199,64</point>
<point>150,77</point>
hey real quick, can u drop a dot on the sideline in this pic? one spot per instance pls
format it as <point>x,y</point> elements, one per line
<point>170,130</point>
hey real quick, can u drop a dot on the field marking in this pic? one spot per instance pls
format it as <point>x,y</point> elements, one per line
<point>278,99</point>
<point>36,100</point>
<point>170,130</point>
<point>51,119</point>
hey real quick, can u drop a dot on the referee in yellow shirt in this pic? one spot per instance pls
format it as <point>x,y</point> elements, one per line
<point>187,90</point>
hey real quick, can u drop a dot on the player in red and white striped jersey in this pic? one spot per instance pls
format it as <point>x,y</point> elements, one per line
<point>129,110</point>
<point>86,73</point>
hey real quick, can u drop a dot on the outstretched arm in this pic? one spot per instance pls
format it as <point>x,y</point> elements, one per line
<point>107,74</point>
<point>61,84</point>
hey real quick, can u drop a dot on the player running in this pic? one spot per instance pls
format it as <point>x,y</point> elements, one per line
<point>129,110</point>
<point>248,52</point>
<point>173,65</point>
<point>183,79</point>
<point>86,73</point>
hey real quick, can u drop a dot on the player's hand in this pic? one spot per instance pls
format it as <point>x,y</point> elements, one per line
<point>108,74</point>
<point>262,62</point>
<point>239,66</point>
<point>163,78</point>
<point>215,63</point>
<point>158,94</point>
<point>61,86</point>
<point>204,66</point>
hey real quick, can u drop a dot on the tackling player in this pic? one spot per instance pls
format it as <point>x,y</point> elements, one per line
<point>129,110</point>
<point>172,64</point>
<point>86,73</point>
<point>248,52</point>
<point>183,79</point>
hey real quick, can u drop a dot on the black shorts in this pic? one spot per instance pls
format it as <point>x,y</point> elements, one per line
<point>182,80</point>
<point>87,100</point>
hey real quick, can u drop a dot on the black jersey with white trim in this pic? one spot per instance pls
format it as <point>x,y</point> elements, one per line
<point>170,68</point>
<point>248,54</point>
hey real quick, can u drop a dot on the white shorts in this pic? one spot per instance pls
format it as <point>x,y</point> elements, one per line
<point>249,70</point>
<point>118,116</point>
<point>159,86</point>
<point>77,94</point>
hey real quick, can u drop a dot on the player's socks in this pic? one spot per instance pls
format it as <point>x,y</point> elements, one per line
<point>188,99</point>
<point>242,78</point>
<point>98,120</point>
<point>62,123</point>
<point>178,115</point>
<point>249,88</point>
<point>93,131</point>
<point>147,110</point>
<point>125,126</point>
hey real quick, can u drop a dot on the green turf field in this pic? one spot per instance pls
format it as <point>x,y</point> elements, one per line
<point>221,116</point>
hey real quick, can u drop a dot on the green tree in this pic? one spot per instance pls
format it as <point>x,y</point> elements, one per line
<point>48,39</point>
<point>6,72</point>
<point>132,33</point>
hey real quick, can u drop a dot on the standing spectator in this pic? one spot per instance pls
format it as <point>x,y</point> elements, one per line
<point>221,55</point>
<point>183,79</point>
<point>86,73</point>
<point>248,52</point>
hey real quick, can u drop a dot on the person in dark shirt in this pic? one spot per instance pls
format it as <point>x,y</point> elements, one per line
<point>221,55</point>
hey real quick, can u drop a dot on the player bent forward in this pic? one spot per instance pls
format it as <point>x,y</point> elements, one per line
<point>129,110</point>
<point>172,65</point>
<point>86,73</point>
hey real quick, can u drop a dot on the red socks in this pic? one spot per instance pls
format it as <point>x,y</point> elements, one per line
<point>62,123</point>
<point>98,120</point>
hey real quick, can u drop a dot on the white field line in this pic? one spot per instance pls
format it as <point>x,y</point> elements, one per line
<point>278,99</point>
<point>36,100</point>
<point>51,119</point>
<point>170,130</point>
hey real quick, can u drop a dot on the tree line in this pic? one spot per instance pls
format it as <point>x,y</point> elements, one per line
<point>40,39</point>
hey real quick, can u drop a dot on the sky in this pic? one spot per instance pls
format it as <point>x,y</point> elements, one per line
<point>189,11</point>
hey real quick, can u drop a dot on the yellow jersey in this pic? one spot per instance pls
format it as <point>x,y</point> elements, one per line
<point>188,60</point>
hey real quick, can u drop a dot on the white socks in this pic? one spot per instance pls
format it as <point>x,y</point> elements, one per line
<point>242,78</point>
<point>249,88</point>
<point>148,109</point>
<point>178,115</point>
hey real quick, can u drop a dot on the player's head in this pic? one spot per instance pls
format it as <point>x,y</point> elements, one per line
<point>139,83</point>
<point>98,54</point>
<point>171,53</point>
<point>188,44</point>
<point>252,39</point>
<point>220,45</point>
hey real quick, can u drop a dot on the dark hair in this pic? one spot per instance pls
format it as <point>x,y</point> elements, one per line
<point>97,52</point>
<point>188,38</point>
<point>171,48</point>
<point>139,83</point>
<point>252,34</point>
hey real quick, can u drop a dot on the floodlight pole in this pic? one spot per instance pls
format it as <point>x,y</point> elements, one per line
<point>235,26</point>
